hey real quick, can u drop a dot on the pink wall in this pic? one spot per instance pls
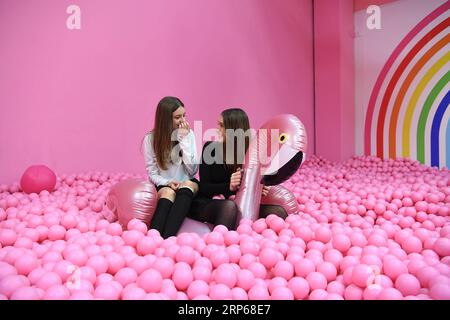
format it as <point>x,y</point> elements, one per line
<point>79,100</point>
<point>334,79</point>
<point>364,4</point>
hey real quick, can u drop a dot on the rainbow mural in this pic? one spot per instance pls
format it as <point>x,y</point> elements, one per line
<point>408,114</point>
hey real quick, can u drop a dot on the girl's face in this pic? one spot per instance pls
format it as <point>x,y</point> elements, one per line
<point>221,129</point>
<point>178,116</point>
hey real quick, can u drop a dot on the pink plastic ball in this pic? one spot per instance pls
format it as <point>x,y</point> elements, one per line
<point>77,257</point>
<point>259,226</point>
<point>362,275</point>
<point>245,279</point>
<point>323,234</point>
<point>114,229</point>
<point>318,294</point>
<point>219,292</point>
<point>258,292</point>
<point>333,256</point>
<point>69,221</point>
<point>316,280</point>
<point>36,274</point>
<point>197,288</point>
<point>304,233</point>
<point>137,225</point>
<point>258,270</point>
<point>140,264</point>
<point>282,293</point>
<point>372,292</point>
<point>407,284</point>
<point>81,295</point>
<point>126,276</point>
<point>182,277</point>
<point>214,238</point>
<point>393,268</point>
<point>239,294</point>
<point>336,287</point>
<point>268,257</point>
<point>107,291</point>
<point>341,242</point>
<point>11,283</point>
<point>426,274</point>
<point>304,267</point>
<point>202,273</point>
<point>25,264</point>
<point>284,269</point>
<point>133,293</point>
<point>442,247</point>
<point>226,275</point>
<point>6,270</point>
<point>231,237</point>
<point>103,278</point>
<point>275,283</point>
<point>48,280</point>
<point>328,270</point>
<point>440,292</point>
<point>353,292</point>
<point>37,178</point>
<point>56,232</point>
<point>146,245</point>
<point>348,262</point>
<point>132,237</point>
<point>7,237</point>
<point>299,287</point>
<point>115,262</point>
<point>234,253</point>
<point>98,263</point>
<point>390,294</point>
<point>219,257</point>
<point>412,244</point>
<point>57,292</point>
<point>25,293</point>
<point>185,254</point>
<point>168,289</point>
<point>150,280</point>
<point>87,273</point>
<point>276,224</point>
<point>165,266</point>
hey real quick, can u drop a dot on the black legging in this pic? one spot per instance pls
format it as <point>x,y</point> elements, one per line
<point>224,212</point>
<point>214,211</point>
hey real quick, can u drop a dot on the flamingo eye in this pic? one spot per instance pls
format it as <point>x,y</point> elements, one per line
<point>283,137</point>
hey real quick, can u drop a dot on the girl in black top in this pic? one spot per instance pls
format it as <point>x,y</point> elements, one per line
<point>221,174</point>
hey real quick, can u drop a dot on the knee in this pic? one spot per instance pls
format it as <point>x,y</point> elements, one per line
<point>167,193</point>
<point>191,185</point>
<point>231,208</point>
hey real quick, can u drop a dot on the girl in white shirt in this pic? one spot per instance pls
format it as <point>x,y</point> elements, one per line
<point>171,163</point>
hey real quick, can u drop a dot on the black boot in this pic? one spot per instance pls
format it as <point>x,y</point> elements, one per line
<point>178,212</point>
<point>161,213</point>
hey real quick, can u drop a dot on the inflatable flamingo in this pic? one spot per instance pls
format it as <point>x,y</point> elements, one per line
<point>132,199</point>
<point>286,136</point>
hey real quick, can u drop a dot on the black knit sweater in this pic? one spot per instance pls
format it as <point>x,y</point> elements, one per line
<point>214,178</point>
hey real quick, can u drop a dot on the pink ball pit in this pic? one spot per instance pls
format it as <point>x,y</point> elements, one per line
<point>365,228</point>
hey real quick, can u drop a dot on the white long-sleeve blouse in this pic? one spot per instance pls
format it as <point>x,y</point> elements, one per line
<point>181,171</point>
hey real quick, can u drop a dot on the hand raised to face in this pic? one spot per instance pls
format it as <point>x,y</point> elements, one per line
<point>183,129</point>
<point>235,180</point>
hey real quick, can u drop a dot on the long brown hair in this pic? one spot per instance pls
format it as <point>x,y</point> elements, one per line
<point>162,130</point>
<point>235,119</point>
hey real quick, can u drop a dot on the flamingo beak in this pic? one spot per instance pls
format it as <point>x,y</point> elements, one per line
<point>283,165</point>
